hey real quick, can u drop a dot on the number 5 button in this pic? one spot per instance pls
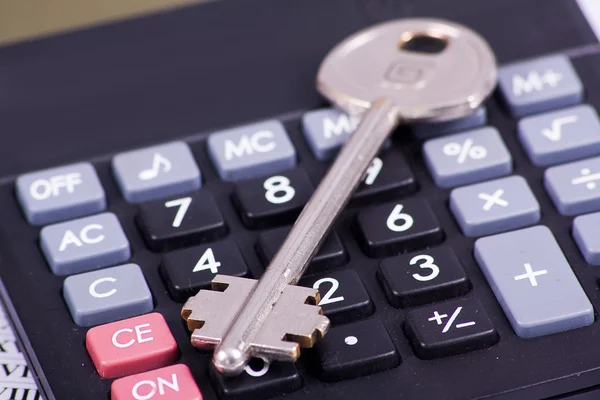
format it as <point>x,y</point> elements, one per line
<point>398,227</point>
<point>274,200</point>
<point>422,277</point>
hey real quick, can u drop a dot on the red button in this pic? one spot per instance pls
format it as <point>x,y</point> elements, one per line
<point>170,383</point>
<point>131,346</point>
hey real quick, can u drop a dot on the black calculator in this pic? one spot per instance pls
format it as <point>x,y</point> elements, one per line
<point>142,158</point>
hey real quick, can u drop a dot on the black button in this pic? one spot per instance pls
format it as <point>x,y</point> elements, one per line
<point>450,328</point>
<point>181,222</point>
<point>422,277</point>
<point>398,227</point>
<point>276,200</point>
<point>258,381</point>
<point>343,296</point>
<point>331,254</point>
<point>387,177</point>
<point>189,270</point>
<point>357,349</point>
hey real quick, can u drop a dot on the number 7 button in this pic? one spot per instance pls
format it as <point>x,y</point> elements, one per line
<point>533,282</point>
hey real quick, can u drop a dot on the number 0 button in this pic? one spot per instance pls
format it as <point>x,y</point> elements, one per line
<point>189,270</point>
<point>398,227</point>
<point>422,277</point>
<point>275,200</point>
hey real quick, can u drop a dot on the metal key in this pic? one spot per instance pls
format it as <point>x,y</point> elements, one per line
<point>378,74</point>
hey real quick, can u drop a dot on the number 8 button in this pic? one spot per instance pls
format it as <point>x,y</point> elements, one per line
<point>274,200</point>
<point>398,227</point>
<point>422,277</point>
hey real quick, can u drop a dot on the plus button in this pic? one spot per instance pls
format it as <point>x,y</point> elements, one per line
<point>531,274</point>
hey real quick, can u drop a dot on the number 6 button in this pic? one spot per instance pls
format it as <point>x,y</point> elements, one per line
<point>422,277</point>
<point>398,227</point>
<point>274,200</point>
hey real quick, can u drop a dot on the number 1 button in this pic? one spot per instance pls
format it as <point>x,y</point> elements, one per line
<point>181,221</point>
<point>398,227</point>
<point>422,277</point>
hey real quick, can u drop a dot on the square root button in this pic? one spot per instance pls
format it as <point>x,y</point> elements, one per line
<point>467,157</point>
<point>494,206</point>
<point>575,187</point>
<point>156,172</point>
<point>533,282</point>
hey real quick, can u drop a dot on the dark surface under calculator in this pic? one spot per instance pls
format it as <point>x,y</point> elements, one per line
<point>407,289</point>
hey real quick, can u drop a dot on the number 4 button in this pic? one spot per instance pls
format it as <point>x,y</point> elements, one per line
<point>422,277</point>
<point>189,270</point>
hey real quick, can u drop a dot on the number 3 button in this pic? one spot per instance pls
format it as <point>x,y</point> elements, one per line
<point>275,200</point>
<point>422,277</point>
<point>343,296</point>
<point>398,227</point>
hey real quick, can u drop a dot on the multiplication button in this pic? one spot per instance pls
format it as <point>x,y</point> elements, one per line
<point>533,282</point>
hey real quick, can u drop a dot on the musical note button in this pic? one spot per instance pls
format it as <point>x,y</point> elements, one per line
<point>156,172</point>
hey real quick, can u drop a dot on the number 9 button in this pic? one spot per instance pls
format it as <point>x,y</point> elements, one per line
<point>422,277</point>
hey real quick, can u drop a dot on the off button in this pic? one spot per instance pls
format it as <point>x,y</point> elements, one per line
<point>61,193</point>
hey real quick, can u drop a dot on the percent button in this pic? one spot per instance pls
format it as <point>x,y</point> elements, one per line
<point>468,157</point>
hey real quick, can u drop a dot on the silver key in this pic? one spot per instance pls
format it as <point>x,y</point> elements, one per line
<point>377,74</point>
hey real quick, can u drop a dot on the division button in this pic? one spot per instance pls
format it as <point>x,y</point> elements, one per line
<point>61,193</point>
<point>533,282</point>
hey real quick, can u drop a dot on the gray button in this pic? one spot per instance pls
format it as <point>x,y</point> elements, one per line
<point>467,157</point>
<point>327,130</point>
<point>84,244</point>
<point>156,172</point>
<point>494,206</point>
<point>426,130</point>
<point>533,282</point>
<point>574,187</point>
<point>251,151</point>
<point>586,234</point>
<point>61,193</point>
<point>561,136</point>
<point>107,295</point>
<point>539,85</point>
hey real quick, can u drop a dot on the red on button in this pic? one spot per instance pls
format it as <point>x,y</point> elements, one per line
<point>170,383</point>
<point>131,346</point>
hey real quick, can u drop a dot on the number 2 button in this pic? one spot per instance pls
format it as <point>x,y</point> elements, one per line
<point>397,227</point>
<point>274,200</point>
<point>343,296</point>
<point>422,277</point>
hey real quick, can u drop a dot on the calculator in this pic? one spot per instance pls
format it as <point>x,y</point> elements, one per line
<point>144,157</point>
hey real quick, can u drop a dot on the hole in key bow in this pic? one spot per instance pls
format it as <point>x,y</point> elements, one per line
<point>420,42</point>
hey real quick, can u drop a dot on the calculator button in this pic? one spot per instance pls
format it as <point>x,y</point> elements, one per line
<point>398,227</point>
<point>189,270</point>
<point>494,206</point>
<point>107,295</point>
<point>449,328</point>
<point>131,346</point>
<point>357,349</point>
<point>251,151</point>
<point>533,282</point>
<point>326,130</point>
<point>561,136</point>
<point>422,277</point>
<point>170,383</point>
<point>426,130</point>
<point>181,221</point>
<point>259,380</point>
<point>275,200</point>
<point>343,296</point>
<point>585,233</point>
<point>387,177</point>
<point>84,244</point>
<point>574,187</point>
<point>330,255</point>
<point>538,85</point>
<point>156,172</point>
<point>61,193</point>
<point>467,157</point>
